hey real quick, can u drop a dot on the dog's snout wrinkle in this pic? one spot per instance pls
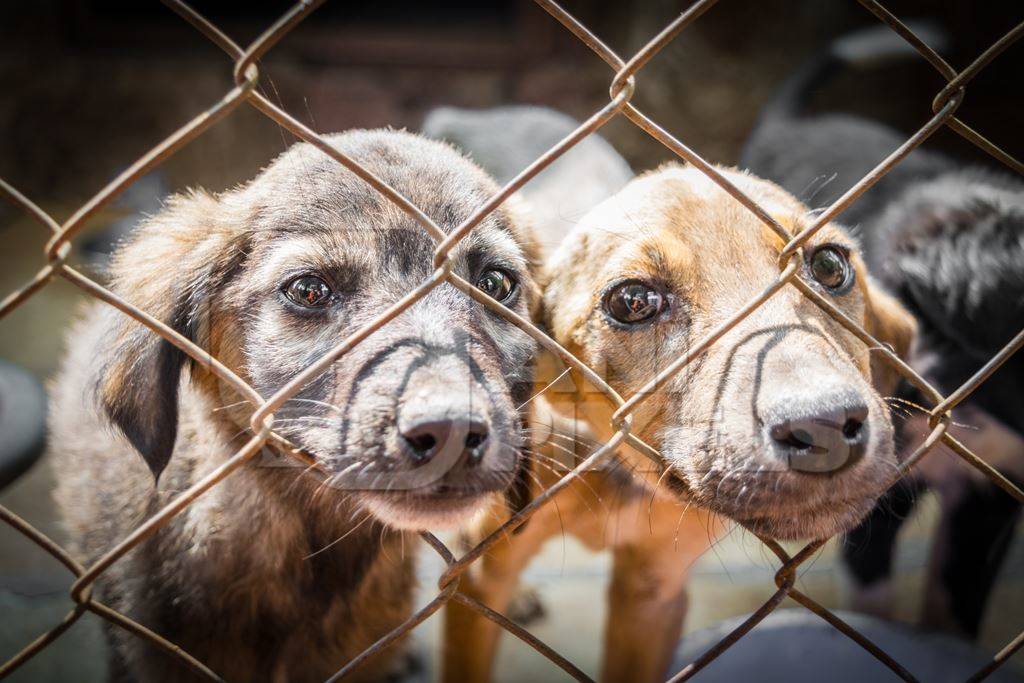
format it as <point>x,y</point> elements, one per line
<point>821,436</point>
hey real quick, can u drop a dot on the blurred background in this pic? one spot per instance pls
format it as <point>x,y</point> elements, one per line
<point>93,84</point>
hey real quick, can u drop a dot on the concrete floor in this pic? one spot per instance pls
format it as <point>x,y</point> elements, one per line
<point>732,579</point>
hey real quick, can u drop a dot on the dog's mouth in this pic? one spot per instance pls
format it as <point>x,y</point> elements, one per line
<point>437,494</point>
<point>810,522</point>
<point>767,484</point>
<point>442,507</point>
<point>783,515</point>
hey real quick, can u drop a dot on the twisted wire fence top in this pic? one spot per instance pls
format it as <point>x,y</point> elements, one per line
<point>621,90</point>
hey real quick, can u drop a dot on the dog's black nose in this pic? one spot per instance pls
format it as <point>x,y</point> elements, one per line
<point>820,441</point>
<point>427,438</point>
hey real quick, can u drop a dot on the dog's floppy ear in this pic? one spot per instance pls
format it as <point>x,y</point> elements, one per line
<point>164,270</point>
<point>889,322</point>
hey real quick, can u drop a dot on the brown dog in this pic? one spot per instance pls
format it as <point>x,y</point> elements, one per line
<point>273,575</point>
<point>780,425</point>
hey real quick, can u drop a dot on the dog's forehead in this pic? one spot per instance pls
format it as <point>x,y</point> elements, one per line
<point>357,246</point>
<point>306,200</point>
<point>305,186</point>
<point>678,219</point>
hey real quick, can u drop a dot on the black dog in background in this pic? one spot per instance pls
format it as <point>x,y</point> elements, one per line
<point>948,240</point>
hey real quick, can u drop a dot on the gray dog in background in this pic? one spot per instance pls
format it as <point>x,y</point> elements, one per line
<point>506,140</point>
<point>272,574</point>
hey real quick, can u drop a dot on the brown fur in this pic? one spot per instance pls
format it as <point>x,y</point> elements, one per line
<point>674,226</point>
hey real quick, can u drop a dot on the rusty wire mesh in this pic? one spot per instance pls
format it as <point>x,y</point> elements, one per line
<point>247,78</point>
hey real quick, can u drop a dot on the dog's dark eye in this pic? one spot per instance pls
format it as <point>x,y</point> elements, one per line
<point>497,284</point>
<point>831,268</point>
<point>309,291</point>
<point>633,302</point>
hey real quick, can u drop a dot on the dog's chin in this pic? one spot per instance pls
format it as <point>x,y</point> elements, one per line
<point>781,516</point>
<point>810,524</point>
<point>409,511</point>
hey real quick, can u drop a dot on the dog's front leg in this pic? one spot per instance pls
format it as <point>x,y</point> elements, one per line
<point>647,595</point>
<point>471,639</point>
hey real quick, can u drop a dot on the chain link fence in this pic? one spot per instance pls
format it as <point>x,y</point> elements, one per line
<point>247,78</point>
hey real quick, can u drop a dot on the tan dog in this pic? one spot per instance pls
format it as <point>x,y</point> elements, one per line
<point>781,424</point>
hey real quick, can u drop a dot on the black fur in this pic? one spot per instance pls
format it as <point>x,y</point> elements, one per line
<point>868,549</point>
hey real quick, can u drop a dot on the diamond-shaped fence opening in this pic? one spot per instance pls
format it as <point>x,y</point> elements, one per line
<point>621,90</point>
